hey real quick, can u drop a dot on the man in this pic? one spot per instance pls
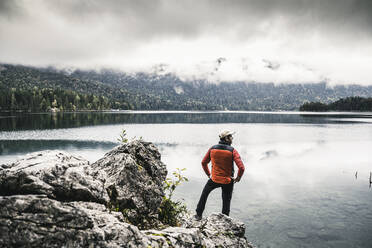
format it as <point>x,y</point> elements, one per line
<point>222,156</point>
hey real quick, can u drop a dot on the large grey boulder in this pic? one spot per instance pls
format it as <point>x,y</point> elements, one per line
<point>54,199</point>
<point>133,175</point>
<point>54,173</point>
<point>129,178</point>
<point>37,221</point>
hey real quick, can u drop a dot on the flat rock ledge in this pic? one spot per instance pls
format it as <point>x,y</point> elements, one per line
<point>54,199</point>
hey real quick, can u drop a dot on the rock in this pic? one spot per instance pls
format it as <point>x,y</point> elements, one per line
<point>130,177</point>
<point>53,199</point>
<point>175,237</point>
<point>37,221</point>
<point>134,174</point>
<point>217,230</point>
<point>53,173</point>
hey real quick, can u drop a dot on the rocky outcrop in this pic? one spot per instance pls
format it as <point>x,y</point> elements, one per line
<point>130,178</point>
<point>53,199</point>
<point>217,230</point>
<point>133,176</point>
<point>53,173</point>
<point>38,221</point>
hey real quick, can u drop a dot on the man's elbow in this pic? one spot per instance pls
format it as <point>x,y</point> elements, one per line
<point>241,170</point>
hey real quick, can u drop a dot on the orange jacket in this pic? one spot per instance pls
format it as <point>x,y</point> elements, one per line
<point>222,157</point>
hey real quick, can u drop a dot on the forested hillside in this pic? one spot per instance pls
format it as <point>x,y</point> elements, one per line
<point>344,104</point>
<point>231,96</point>
<point>31,89</point>
<point>36,89</point>
<point>40,89</point>
<point>46,99</point>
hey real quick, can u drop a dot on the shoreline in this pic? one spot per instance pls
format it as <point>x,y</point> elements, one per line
<point>293,112</point>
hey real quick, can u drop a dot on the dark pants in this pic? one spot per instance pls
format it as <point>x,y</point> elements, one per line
<point>227,190</point>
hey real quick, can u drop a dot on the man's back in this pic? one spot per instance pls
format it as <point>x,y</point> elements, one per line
<point>222,156</point>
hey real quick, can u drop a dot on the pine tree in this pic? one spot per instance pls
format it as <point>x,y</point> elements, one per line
<point>13,102</point>
<point>43,105</point>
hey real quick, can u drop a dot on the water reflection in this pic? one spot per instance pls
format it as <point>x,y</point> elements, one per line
<point>28,121</point>
<point>299,188</point>
<point>320,216</point>
<point>13,147</point>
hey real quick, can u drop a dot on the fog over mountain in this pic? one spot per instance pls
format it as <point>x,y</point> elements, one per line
<point>287,41</point>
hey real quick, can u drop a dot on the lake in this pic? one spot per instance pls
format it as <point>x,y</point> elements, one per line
<point>306,182</point>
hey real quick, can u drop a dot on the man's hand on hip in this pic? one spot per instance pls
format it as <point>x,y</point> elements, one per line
<point>237,179</point>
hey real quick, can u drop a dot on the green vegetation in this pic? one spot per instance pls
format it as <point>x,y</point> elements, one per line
<point>170,211</point>
<point>314,106</point>
<point>344,104</point>
<point>42,100</point>
<point>161,92</point>
<point>39,90</point>
<point>123,137</point>
<point>21,87</point>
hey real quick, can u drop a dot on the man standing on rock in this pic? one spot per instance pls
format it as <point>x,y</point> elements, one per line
<point>223,156</point>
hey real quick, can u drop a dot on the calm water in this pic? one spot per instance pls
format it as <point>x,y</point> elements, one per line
<point>307,176</point>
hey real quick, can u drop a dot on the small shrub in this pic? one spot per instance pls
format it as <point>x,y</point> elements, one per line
<point>170,211</point>
<point>123,137</point>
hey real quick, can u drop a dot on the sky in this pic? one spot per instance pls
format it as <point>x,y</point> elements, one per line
<point>286,41</point>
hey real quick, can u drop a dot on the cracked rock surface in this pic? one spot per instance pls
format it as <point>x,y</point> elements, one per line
<point>217,230</point>
<point>37,221</point>
<point>53,173</point>
<point>133,175</point>
<point>54,199</point>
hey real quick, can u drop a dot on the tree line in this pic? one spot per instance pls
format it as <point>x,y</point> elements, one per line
<point>42,100</point>
<point>19,83</point>
<point>200,94</point>
<point>355,103</point>
<point>148,91</point>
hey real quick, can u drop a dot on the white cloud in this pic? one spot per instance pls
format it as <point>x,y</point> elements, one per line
<point>312,41</point>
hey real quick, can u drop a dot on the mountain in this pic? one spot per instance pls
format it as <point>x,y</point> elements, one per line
<point>224,95</point>
<point>160,91</point>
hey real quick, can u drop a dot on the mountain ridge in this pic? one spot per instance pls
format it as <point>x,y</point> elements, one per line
<point>153,91</point>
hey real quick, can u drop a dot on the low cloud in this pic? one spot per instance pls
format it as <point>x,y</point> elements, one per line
<point>262,40</point>
<point>245,70</point>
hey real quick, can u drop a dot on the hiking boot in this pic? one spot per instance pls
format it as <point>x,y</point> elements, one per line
<point>197,217</point>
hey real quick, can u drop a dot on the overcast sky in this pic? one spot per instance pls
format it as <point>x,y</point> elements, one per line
<point>251,40</point>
